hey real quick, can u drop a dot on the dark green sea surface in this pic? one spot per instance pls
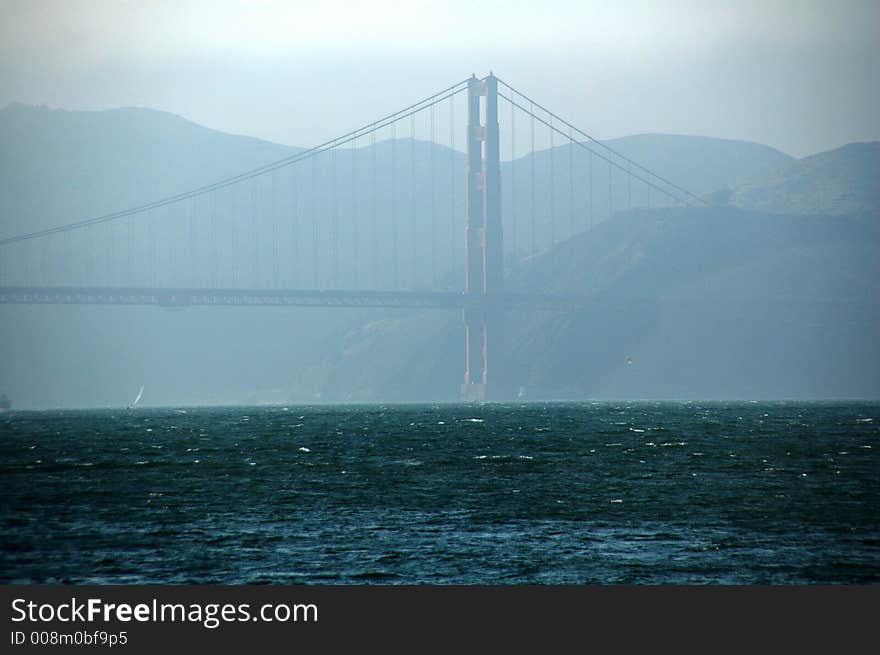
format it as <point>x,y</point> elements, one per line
<point>571,493</point>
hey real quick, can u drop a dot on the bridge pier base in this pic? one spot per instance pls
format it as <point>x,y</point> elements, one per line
<point>473,392</point>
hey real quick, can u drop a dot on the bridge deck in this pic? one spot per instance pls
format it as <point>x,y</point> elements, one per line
<point>167,297</point>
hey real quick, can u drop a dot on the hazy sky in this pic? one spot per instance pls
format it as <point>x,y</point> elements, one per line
<point>800,75</point>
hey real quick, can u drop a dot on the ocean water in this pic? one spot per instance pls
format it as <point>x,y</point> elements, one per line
<point>559,493</point>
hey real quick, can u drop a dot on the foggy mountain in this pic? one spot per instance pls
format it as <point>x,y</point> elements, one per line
<point>707,302</point>
<point>95,162</point>
<point>837,182</point>
<point>701,164</point>
<point>57,166</point>
<point>711,303</point>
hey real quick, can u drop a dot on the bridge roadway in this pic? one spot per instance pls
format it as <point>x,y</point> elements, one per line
<point>232,297</point>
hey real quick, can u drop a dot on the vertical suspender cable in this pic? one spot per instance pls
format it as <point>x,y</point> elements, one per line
<point>192,242</point>
<point>108,258</point>
<point>234,257</point>
<point>590,171</point>
<point>532,160</point>
<point>334,225</point>
<point>570,183</point>
<point>628,188</point>
<point>412,197</point>
<point>152,219</point>
<point>452,223</point>
<point>214,258</point>
<point>610,199</point>
<point>172,267</point>
<point>513,223</point>
<point>313,217</point>
<point>393,206</point>
<point>24,268</point>
<point>354,216</point>
<point>274,208</point>
<point>373,230</point>
<point>255,219</point>
<point>552,187</point>
<point>130,258</point>
<point>294,230</point>
<point>433,210</point>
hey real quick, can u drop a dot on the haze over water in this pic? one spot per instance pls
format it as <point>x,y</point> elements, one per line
<point>630,492</point>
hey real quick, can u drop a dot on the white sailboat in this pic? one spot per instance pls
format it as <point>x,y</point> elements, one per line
<point>137,399</point>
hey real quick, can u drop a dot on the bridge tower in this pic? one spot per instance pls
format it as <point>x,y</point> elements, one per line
<point>484,274</point>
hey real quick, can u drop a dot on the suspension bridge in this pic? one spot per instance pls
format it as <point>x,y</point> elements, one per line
<point>391,214</point>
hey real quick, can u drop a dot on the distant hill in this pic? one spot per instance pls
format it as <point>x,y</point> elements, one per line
<point>712,302</point>
<point>58,166</point>
<point>715,302</point>
<point>834,183</point>
<point>701,164</point>
<point>709,303</point>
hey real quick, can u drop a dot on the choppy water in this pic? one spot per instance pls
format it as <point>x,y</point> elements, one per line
<point>557,493</point>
